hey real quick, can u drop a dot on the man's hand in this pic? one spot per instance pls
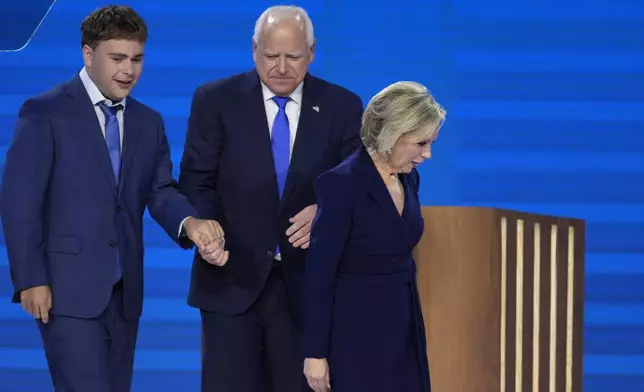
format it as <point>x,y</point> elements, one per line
<point>37,302</point>
<point>209,238</point>
<point>299,233</point>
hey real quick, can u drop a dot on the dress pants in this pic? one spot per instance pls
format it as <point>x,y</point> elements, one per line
<point>91,355</point>
<point>257,351</point>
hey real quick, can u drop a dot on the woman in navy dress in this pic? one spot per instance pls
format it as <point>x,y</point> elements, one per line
<point>363,325</point>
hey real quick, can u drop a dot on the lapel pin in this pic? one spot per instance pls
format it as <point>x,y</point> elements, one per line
<point>316,108</point>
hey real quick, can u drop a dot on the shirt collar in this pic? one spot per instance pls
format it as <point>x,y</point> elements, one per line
<point>94,93</point>
<point>296,96</point>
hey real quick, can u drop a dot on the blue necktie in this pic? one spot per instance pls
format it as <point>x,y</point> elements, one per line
<point>113,142</point>
<point>112,137</point>
<point>281,146</point>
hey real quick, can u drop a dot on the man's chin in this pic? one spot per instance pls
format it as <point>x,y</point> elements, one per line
<point>284,89</point>
<point>120,94</point>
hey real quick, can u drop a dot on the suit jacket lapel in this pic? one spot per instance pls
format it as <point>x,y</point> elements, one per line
<point>308,136</point>
<point>378,190</point>
<point>131,132</point>
<point>252,115</point>
<point>90,128</point>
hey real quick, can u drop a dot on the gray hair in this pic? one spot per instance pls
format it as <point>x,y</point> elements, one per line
<point>275,14</point>
<point>402,108</point>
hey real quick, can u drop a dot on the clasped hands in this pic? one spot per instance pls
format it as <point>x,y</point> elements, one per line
<point>210,237</point>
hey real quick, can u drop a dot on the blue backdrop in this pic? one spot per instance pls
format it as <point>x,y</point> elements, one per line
<point>546,114</point>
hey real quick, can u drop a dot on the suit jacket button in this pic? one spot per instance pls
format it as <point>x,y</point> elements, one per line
<point>113,244</point>
<point>269,253</point>
<point>119,208</point>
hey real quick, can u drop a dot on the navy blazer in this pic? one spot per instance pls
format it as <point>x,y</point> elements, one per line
<point>64,218</point>
<point>360,272</point>
<point>227,172</point>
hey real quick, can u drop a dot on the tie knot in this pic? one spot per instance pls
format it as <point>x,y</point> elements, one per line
<point>281,101</point>
<point>109,111</point>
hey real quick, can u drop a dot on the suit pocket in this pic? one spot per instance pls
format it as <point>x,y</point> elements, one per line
<point>64,244</point>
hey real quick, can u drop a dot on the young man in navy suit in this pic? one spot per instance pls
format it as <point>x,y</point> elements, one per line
<point>85,162</point>
<point>255,144</point>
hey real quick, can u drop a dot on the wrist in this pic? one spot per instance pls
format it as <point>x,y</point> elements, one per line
<point>187,224</point>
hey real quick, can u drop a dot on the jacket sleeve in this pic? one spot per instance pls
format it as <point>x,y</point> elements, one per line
<point>25,183</point>
<point>201,153</point>
<point>167,206</point>
<point>329,234</point>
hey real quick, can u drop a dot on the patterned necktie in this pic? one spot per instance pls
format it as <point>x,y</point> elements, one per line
<point>112,137</point>
<point>113,142</point>
<point>281,146</point>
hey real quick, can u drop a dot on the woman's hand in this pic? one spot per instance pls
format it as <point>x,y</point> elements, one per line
<point>317,375</point>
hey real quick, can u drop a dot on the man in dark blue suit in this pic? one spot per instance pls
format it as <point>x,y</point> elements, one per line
<point>255,144</point>
<point>85,162</point>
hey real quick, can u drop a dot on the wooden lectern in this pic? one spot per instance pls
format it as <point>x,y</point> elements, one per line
<point>502,294</point>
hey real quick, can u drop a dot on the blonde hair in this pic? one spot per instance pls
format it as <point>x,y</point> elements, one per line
<point>400,109</point>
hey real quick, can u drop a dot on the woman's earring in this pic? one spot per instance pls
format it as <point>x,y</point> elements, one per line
<point>389,151</point>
